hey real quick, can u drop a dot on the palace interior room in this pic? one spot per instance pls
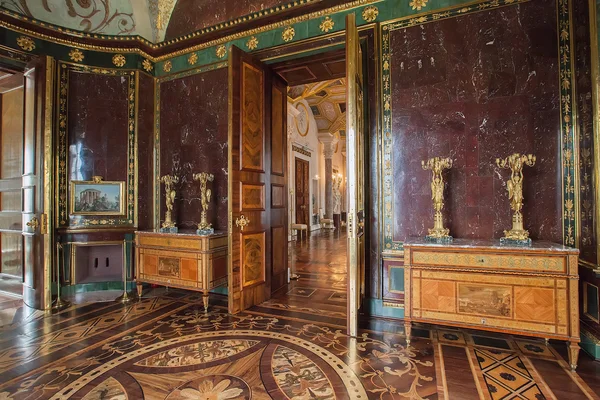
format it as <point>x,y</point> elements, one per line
<point>299,199</point>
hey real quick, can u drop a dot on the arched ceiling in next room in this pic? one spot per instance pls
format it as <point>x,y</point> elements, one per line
<point>154,20</point>
<point>327,101</point>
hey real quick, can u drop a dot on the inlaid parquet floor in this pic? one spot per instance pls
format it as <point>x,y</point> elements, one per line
<point>165,347</point>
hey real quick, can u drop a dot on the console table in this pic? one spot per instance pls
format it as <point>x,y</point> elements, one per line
<point>531,291</point>
<point>181,260</point>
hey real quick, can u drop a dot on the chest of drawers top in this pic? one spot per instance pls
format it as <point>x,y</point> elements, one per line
<point>540,257</point>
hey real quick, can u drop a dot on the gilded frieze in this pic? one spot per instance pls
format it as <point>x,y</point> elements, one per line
<point>119,60</point>
<point>147,65</point>
<point>26,43</point>
<point>326,25</point>
<point>76,55</point>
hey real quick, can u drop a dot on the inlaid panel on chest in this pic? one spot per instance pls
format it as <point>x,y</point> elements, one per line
<point>522,290</point>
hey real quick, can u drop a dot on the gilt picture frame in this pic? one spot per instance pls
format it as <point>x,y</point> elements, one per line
<point>98,198</point>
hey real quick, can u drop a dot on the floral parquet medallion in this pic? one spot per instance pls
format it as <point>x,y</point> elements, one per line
<point>218,387</point>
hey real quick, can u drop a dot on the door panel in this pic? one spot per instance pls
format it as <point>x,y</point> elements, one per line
<point>37,183</point>
<point>255,96</point>
<point>355,170</point>
<point>279,213</point>
<point>302,192</point>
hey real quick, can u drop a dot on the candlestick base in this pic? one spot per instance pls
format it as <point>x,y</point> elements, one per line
<point>205,231</point>
<point>171,229</point>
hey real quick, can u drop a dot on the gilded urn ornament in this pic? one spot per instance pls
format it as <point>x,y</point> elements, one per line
<point>437,165</point>
<point>204,228</point>
<point>515,162</point>
<point>170,181</point>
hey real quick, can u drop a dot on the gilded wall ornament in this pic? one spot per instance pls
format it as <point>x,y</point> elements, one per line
<point>288,34</point>
<point>192,59</point>
<point>204,228</point>
<point>170,181</point>
<point>327,24</point>
<point>514,185</point>
<point>370,13</point>
<point>119,60</point>
<point>418,4</point>
<point>76,55</point>
<point>252,43</point>
<point>26,43</point>
<point>437,165</point>
<point>221,51</point>
<point>167,66</point>
<point>147,65</point>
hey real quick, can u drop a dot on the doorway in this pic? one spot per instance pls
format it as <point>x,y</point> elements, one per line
<point>260,201</point>
<point>302,189</point>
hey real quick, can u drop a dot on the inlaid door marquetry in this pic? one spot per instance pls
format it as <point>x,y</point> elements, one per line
<point>257,182</point>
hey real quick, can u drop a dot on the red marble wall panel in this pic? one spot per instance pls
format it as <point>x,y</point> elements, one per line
<point>475,88</point>
<point>145,131</point>
<point>192,15</point>
<point>193,138</point>
<point>97,127</point>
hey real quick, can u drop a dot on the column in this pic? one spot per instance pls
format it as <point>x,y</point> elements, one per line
<point>329,141</point>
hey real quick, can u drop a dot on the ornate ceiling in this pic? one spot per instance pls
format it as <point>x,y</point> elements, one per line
<point>146,18</point>
<point>327,101</point>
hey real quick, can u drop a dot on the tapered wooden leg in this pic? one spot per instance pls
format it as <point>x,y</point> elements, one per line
<point>205,301</point>
<point>407,330</point>
<point>573,355</point>
<point>139,289</point>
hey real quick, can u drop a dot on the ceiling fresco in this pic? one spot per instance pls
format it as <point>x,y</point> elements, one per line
<point>146,18</point>
<point>327,101</point>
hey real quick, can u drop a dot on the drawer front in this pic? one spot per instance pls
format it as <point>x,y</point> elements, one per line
<point>528,304</point>
<point>170,268</point>
<point>506,261</point>
<point>170,242</point>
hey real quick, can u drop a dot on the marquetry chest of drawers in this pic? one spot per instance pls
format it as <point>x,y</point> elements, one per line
<point>181,260</point>
<point>530,291</point>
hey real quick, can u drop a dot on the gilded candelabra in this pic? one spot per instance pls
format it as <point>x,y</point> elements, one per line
<point>437,165</point>
<point>170,181</point>
<point>515,163</point>
<point>204,228</point>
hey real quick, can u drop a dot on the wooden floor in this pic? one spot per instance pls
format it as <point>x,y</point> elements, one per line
<point>164,346</point>
<point>319,293</point>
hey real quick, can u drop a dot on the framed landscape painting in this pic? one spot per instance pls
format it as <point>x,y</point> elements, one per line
<point>98,197</point>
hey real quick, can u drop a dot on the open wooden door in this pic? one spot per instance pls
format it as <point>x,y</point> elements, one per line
<point>355,171</point>
<point>257,182</point>
<point>37,185</point>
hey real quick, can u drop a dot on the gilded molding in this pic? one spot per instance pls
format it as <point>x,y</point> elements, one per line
<point>26,43</point>
<point>221,51</point>
<point>147,65</point>
<point>418,4</point>
<point>76,55</point>
<point>569,146</point>
<point>301,151</point>
<point>288,34</point>
<point>252,43</point>
<point>192,59</point>
<point>119,60</point>
<point>370,13</point>
<point>327,24</point>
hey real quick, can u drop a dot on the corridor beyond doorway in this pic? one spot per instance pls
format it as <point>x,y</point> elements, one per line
<point>319,294</point>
